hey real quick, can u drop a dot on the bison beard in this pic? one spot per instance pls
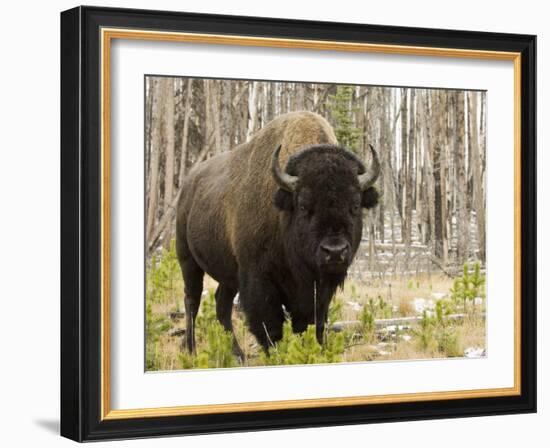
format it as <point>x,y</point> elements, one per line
<point>282,238</point>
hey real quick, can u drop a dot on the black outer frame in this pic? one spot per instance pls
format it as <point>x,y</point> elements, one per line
<point>81,221</point>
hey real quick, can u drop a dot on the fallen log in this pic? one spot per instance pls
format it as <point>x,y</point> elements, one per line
<point>177,332</point>
<point>401,321</point>
<point>174,315</point>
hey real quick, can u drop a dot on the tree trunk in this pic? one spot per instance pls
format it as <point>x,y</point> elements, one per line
<point>410,173</point>
<point>270,111</point>
<point>426,118</point>
<point>478,199</point>
<point>402,182</point>
<point>446,112</point>
<point>439,175</point>
<point>300,96</point>
<point>419,204</point>
<point>215,97</point>
<point>384,148</point>
<point>360,118</point>
<point>169,160</point>
<point>185,136</point>
<point>461,188</point>
<point>225,116</point>
<point>252,110</point>
<point>152,197</point>
<point>169,135</point>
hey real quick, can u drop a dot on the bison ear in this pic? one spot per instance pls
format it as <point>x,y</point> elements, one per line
<point>283,200</point>
<point>370,197</point>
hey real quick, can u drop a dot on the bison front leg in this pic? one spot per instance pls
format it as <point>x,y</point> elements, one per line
<point>224,308</point>
<point>263,309</point>
<point>323,296</point>
<point>300,322</point>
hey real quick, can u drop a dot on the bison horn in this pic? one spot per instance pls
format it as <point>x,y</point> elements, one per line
<point>284,180</point>
<point>368,179</point>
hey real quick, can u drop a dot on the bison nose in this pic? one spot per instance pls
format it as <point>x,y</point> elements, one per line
<point>334,253</point>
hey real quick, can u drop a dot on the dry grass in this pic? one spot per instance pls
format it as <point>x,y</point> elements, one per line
<point>398,293</point>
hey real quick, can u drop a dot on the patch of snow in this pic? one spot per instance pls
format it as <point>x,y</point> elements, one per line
<point>392,329</point>
<point>474,352</point>
<point>421,305</point>
<point>354,306</point>
<point>439,295</point>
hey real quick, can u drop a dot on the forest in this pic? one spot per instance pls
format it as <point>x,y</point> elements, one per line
<point>422,256</point>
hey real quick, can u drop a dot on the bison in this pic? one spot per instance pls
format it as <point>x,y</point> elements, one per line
<point>282,238</point>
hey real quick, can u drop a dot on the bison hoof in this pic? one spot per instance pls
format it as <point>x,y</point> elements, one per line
<point>239,354</point>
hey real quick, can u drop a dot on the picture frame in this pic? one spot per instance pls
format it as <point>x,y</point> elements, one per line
<point>86,209</point>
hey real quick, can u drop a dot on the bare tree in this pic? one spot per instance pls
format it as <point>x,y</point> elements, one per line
<point>168,120</point>
<point>252,107</point>
<point>426,118</point>
<point>300,96</point>
<point>154,166</point>
<point>407,148</point>
<point>478,198</point>
<point>439,175</point>
<point>185,136</point>
<point>462,221</point>
<point>215,97</point>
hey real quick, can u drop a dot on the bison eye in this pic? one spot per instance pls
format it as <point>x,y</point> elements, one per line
<point>304,210</point>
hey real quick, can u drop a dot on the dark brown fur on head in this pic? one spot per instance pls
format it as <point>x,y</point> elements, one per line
<point>324,209</point>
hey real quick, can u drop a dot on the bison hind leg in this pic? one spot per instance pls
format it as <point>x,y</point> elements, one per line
<point>193,277</point>
<point>224,308</point>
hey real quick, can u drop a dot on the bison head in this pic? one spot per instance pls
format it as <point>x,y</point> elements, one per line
<point>321,193</point>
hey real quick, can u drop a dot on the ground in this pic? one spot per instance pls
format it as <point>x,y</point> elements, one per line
<point>390,317</point>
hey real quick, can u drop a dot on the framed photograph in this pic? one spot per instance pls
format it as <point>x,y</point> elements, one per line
<point>272,223</point>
